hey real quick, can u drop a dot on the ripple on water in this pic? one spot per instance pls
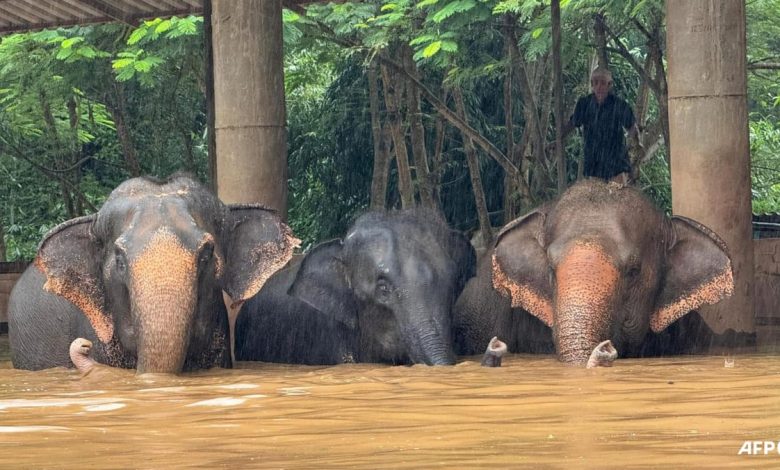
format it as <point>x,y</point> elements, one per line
<point>18,429</point>
<point>53,402</point>
<point>106,407</point>
<point>221,401</point>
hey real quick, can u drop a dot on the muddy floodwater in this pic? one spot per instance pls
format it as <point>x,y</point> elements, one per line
<point>532,412</point>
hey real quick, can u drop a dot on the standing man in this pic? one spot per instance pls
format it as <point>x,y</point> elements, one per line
<point>604,117</point>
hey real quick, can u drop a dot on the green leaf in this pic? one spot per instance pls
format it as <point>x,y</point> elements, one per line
<point>125,74</point>
<point>425,3</point>
<point>137,35</point>
<point>432,49</point>
<point>187,27</point>
<point>537,32</point>
<point>164,26</point>
<point>422,39</point>
<point>121,63</point>
<point>87,51</point>
<point>449,46</point>
<point>142,66</point>
<point>68,43</point>
<point>64,54</point>
<point>457,6</point>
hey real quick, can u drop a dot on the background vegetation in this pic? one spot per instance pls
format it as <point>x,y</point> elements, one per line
<point>443,103</point>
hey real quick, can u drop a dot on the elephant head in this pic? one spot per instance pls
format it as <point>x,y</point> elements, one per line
<point>394,278</point>
<point>603,263</point>
<point>148,269</point>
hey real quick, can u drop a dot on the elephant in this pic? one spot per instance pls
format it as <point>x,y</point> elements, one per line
<point>599,263</point>
<point>142,279</point>
<point>382,294</point>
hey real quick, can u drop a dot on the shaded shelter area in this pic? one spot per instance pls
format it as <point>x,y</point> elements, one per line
<point>248,147</point>
<point>26,15</point>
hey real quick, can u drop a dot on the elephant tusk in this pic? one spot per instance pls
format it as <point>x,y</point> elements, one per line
<point>495,350</point>
<point>603,355</point>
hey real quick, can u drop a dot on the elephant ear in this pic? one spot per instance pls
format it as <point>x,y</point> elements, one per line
<point>322,282</point>
<point>259,244</point>
<point>520,266</point>
<point>698,272</point>
<point>69,256</point>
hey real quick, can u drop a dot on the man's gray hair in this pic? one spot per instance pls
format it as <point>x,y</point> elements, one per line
<point>601,72</point>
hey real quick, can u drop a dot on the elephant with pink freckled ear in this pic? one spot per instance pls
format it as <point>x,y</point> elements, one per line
<point>600,263</point>
<point>142,279</point>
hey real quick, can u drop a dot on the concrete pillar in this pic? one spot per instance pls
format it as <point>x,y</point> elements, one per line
<point>710,158</point>
<point>251,137</point>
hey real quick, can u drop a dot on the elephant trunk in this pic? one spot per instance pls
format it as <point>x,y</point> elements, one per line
<point>428,337</point>
<point>164,286</point>
<point>587,280</point>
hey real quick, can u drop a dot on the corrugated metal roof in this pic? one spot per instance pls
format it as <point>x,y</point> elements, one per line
<point>24,15</point>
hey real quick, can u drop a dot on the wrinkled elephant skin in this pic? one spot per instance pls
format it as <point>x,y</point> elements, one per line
<point>382,294</point>
<point>600,263</point>
<point>142,279</point>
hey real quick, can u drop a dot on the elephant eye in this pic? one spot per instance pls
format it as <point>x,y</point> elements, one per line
<point>206,253</point>
<point>633,270</point>
<point>383,288</point>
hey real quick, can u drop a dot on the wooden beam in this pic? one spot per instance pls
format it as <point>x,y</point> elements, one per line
<point>107,8</point>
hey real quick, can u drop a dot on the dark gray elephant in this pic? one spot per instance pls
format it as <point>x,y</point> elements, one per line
<point>383,294</point>
<point>143,278</point>
<point>600,263</point>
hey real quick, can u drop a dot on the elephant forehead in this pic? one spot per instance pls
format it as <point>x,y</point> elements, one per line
<point>164,253</point>
<point>586,273</point>
<point>144,225</point>
<point>374,245</point>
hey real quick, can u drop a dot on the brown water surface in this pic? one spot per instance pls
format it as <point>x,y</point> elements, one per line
<point>534,412</point>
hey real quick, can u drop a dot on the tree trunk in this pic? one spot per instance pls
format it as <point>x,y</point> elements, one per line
<point>601,41</point>
<point>405,187</point>
<point>57,150</point>
<point>533,124</point>
<point>74,153</point>
<point>558,81</point>
<point>455,120</point>
<point>381,160</point>
<point>2,244</point>
<point>418,133</point>
<point>117,108</point>
<point>510,186</point>
<point>189,154</point>
<point>438,152</point>
<point>476,181</point>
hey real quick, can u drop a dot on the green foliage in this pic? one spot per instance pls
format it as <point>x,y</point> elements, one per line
<point>765,153</point>
<point>138,62</point>
<point>62,90</point>
<point>59,147</point>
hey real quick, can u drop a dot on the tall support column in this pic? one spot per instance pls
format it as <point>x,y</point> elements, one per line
<point>710,158</point>
<point>251,137</point>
